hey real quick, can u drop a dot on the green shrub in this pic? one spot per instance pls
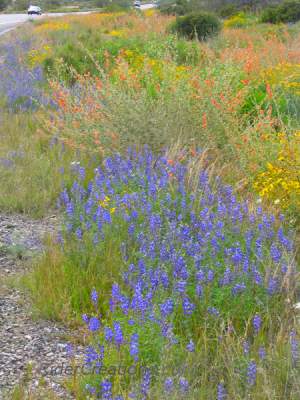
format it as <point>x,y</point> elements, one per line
<point>228,10</point>
<point>181,7</point>
<point>113,7</point>
<point>197,26</point>
<point>270,15</point>
<point>289,11</point>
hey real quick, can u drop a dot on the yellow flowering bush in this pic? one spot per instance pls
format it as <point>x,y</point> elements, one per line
<point>236,21</point>
<point>118,33</point>
<point>139,65</point>
<point>150,12</point>
<point>94,20</point>
<point>284,75</point>
<point>52,26</point>
<point>37,56</point>
<point>280,182</point>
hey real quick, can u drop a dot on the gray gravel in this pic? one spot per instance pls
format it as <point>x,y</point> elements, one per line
<point>31,351</point>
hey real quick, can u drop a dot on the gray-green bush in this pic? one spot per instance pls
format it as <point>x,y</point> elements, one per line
<point>198,25</point>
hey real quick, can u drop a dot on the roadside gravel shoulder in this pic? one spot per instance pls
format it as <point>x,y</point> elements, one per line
<point>29,349</point>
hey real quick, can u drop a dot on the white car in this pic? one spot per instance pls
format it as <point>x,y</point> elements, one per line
<point>34,10</point>
<point>137,4</point>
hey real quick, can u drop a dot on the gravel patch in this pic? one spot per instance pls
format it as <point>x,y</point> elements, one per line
<point>35,351</point>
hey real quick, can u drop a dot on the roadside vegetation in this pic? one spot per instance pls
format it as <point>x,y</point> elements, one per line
<point>172,156</point>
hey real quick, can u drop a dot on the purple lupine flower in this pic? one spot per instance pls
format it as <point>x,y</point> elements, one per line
<point>284,241</point>
<point>165,280</point>
<point>257,277</point>
<point>169,385</point>
<point>95,239</point>
<point>118,334</point>
<point>294,347</point>
<point>180,286</point>
<point>134,346</point>
<point>19,84</point>
<point>213,311</point>
<point>262,353</point>
<point>246,347</point>
<point>85,318</point>
<point>94,296</point>
<point>94,358</point>
<point>238,288</point>
<point>188,306</point>
<point>190,346</point>
<point>78,233</point>
<point>200,275</point>
<point>145,384</point>
<point>199,290</point>
<point>251,373</point>
<point>237,256</point>
<point>115,292</point>
<point>272,286</point>
<point>275,252</point>
<point>106,391</point>
<point>108,334</point>
<point>70,350</point>
<point>183,385</point>
<point>284,268</point>
<point>94,324</point>
<point>81,173</point>
<point>91,389</point>
<point>221,392</point>
<point>210,275</point>
<point>131,229</point>
<point>256,323</point>
<point>258,248</point>
<point>167,308</point>
<point>226,277</point>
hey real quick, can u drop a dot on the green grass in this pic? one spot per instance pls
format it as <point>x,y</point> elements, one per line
<point>62,279</point>
<point>31,166</point>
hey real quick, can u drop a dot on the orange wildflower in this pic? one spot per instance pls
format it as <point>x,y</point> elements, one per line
<point>269,91</point>
<point>204,120</point>
<point>215,103</point>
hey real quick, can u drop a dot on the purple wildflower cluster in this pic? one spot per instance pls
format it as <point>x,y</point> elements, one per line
<point>19,85</point>
<point>196,255</point>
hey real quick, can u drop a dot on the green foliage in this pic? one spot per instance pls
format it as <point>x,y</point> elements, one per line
<point>54,283</point>
<point>30,167</point>
<point>19,5</point>
<point>180,7</point>
<point>285,106</point>
<point>289,11</point>
<point>228,10</point>
<point>113,6</point>
<point>199,26</point>
<point>3,4</point>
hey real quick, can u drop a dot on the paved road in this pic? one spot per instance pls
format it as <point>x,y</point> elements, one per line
<point>147,6</point>
<point>10,21</point>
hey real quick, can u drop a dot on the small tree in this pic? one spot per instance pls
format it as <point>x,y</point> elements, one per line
<point>20,5</point>
<point>288,11</point>
<point>198,25</point>
<point>228,10</point>
<point>3,4</point>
